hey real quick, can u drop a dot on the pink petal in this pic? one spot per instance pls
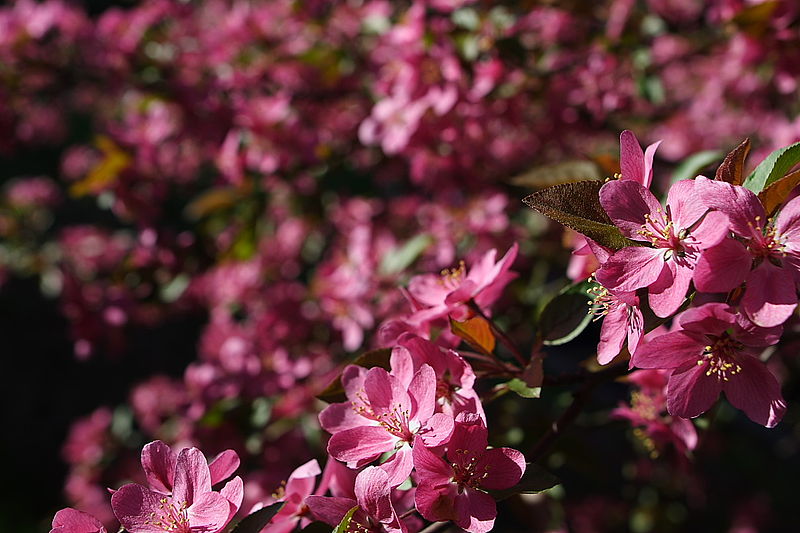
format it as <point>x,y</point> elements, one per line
<point>133,504</point>
<point>422,391</point>
<point>631,158</point>
<point>71,520</point>
<point>372,493</point>
<point>666,301</point>
<point>438,502</point>
<point>436,430</point>
<point>431,469</point>
<point>399,466</point>
<point>360,445</point>
<point>353,378</point>
<point>428,289</point>
<point>686,206</point>
<point>233,491</point>
<point>712,230</point>
<point>723,267</point>
<point>223,466</point>
<point>649,154</point>
<point>330,510</point>
<point>690,392</point>
<point>635,328</point>
<point>627,203</point>
<point>712,318</point>
<point>385,392</point>
<point>192,477</point>
<point>738,203</point>
<point>469,434</point>
<point>684,431</point>
<point>503,466</point>
<point>339,417</point>
<point>463,293</point>
<point>770,296</point>
<point>402,363</point>
<point>158,462</point>
<point>210,512</point>
<point>482,510</point>
<point>632,268</point>
<point>755,391</point>
<point>301,481</point>
<point>788,223</point>
<point>613,334</point>
<point>670,350</point>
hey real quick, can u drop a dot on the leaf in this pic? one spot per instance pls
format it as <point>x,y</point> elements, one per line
<point>773,167</point>
<point>692,165</point>
<point>755,19</point>
<point>106,171</point>
<point>334,392</point>
<point>476,332</point>
<point>774,195</point>
<point>520,387</point>
<point>345,523</point>
<point>566,315</point>
<point>255,522</point>
<point>535,479</point>
<point>316,527</point>
<point>553,174</point>
<point>212,200</point>
<point>577,206</point>
<point>398,259</point>
<point>732,168</point>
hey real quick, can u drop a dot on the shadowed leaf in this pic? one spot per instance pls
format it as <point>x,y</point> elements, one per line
<point>334,392</point>
<point>255,522</point>
<point>566,315</point>
<point>577,206</point>
<point>732,168</point>
<point>536,479</point>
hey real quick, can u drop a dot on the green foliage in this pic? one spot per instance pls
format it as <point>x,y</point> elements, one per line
<point>255,522</point>
<point>536,479</point>
<point>566,315</point>
<point>773,167</point>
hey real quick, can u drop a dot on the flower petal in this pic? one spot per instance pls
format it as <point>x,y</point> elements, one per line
<point>627,203</point>
<point>503,466</point>
<point>613,334</point>
<point>665,298</point>
<point>223,466</point>
<point>436,430</point>
<point>210,512</point>
<point>301,481</point>
<point>770,296</point>
<point>632,268</point>
<point>329,509</point>
<point>755,391</point>
<point>71,520</point>
<point>723,267</point>
<point>670,350</point>
<point>192,477</point>
<point>360,445</point>
<point>133,504</point>
<point>631,158</point>
<point>158,462</point>
<point>422,391</point>
<point>690,392</point>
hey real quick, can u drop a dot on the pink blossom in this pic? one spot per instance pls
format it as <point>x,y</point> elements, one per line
<point>766,256</point>
<point>636,165</point>
<point>713,352</point>
<point>372,497</point>
<point>647,413</point>
<point>675,236</point>
<point>159,463</point>
<point>454,376</point>
<point>71,520</point>
<point>453,488</point>
<point>298,487</point>
<point>382,414</point>
<point>447,293</point>
<point>623,321</point>
<point>192,505</point>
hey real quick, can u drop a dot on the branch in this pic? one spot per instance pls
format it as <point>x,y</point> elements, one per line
<point>499,333</point>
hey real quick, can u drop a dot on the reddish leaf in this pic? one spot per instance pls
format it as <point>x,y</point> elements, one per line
<point>476,332</point>
<point>774,195</point>
<point>732,167</point>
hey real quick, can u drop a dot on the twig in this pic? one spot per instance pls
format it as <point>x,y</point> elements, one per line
<point>436,526</point>
<point>569,415</point>
<point>500,334</point>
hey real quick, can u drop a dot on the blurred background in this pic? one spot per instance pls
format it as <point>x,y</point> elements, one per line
<point>207,206</point>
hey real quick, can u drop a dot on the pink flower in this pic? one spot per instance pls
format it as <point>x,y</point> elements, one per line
<point>71,520</point>
<point>192,506</point>
<point>159,462</point>
<point>676,236</point>
<point>713,353</point>
<point>636,165</point>
<point>445,294</point>
<point>454,489</point>
<point>647,413</point>
<point>623,322</point>
<point>767,257</point>
<point>298,487</point>
<point>382,414</point>
<point>373,498</point>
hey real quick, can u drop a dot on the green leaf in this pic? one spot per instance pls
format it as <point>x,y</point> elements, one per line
<point>255,522</point>
<point>566,315</point>
<point>334,392</point>
<point>520,387</point>
<point>399,259</point>
<point>773,167</point>
<point>345,523</point>
<point>316,527</point>
<point>536,479</point>
<point>692,165</point>
<point>577,205</point>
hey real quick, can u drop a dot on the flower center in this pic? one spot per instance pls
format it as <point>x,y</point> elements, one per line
<point>766,242</point>
<point>396,422</point>
<point>170,518</point>
<point>451,277</point>
<point>466,472</point>
<point>602,302</point>
<point>720,359</point>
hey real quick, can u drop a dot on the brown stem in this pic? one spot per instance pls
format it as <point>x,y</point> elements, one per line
<point>569,415</point>
<point>500,334</point>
